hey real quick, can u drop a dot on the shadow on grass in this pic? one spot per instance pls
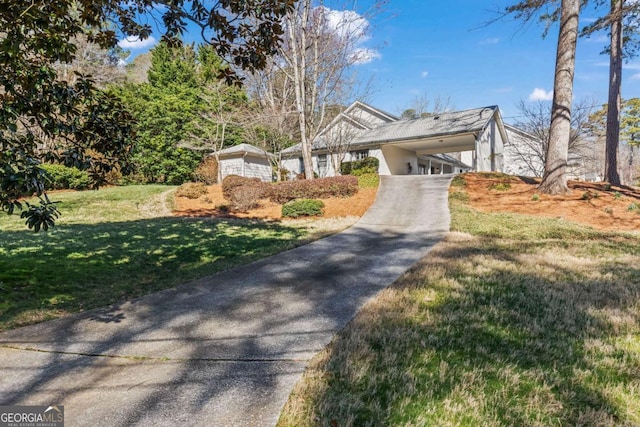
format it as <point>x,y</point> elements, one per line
<point>222,344</point>
<point>492,332</point>
<point>78,267</point>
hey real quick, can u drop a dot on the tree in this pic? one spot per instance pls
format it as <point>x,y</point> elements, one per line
<point>318,51</point>
<point>424,106</point>
<point>554,180</point>
<point>621,14</point>
<point>181,112</point>
<point>536,121</point>
<point>38,106</point>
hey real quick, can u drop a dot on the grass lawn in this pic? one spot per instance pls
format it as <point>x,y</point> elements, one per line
<point>115,244</point>
<point>512,320</point>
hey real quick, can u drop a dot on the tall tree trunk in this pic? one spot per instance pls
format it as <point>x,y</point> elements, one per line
<point>554,180</point>
<point>614,104</point>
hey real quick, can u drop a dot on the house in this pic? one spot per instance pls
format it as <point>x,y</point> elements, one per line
<point>449,142</point>
<point>246,160</point>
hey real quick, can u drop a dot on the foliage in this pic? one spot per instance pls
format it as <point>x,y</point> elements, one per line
<point>207,171</point>
<point>359,167</point>
<point>321,188</point>
<point>72,118</point>
<point>500,186</point>
<point>60,177</point>
<point>244,193</point>
<point>43,215</point>
<point>302,207</point>
<point>368,180</point>
<point>191,190</point>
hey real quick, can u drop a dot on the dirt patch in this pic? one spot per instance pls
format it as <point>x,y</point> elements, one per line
<point>598,205</point>
<point>595,204</point>
<point>213,204</point>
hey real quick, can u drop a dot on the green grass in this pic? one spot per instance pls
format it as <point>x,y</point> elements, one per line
<point>512,320</point>
<point>115,244</point>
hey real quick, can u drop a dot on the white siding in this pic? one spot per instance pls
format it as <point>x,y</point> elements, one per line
<point>231,166</point>
<point>397,160</point>
<point>248,166</point>
<point>489,149</point>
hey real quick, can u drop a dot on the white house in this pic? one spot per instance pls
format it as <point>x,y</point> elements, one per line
<point>246,160</point>
<point>407,147</point>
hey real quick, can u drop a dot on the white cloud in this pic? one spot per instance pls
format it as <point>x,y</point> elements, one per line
<point>424,74</point>
<point>353,30</point>
<point>493,40</point>
<point>541,95</point>
<point>136,43</point>
<point>363,55</point>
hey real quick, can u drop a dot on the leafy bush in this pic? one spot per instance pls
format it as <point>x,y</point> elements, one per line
<point>244,193</point>
<point>302,207</point>
<point>60,177</point>
<point>360,167</point>
<point>368,180</point>
<point>207,171</point>
<point>191,190</point>
<point>338,186</point>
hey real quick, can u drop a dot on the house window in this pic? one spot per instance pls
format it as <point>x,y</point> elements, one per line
<point>359,155</point>
<point>322,164</point>
<point>301,164</point>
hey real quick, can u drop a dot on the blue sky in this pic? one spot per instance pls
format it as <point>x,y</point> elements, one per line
<point>444,49</point>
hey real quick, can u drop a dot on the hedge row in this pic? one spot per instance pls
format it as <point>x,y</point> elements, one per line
<point>244,193</point>
<point>322,188</point>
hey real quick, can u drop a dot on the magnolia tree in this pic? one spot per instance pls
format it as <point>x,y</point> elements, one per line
<point>91,129</point>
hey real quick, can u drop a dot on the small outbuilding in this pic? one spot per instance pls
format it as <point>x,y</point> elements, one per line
<point>246,160</point>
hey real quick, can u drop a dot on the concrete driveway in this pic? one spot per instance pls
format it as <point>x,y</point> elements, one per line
<point>225,350</point>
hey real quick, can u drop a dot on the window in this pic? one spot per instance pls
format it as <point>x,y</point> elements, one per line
<point>301,164</point>
<point>322,161</point>
<point>359,155</point>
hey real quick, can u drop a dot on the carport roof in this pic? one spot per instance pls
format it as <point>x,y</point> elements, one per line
<point>437,125</point>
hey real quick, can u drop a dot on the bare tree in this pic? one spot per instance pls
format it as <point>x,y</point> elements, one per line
<point>423,105</point>
<point>321,45</point>
<point>535,120</point>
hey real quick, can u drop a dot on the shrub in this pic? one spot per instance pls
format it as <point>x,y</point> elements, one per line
<point>368,180</point>
<point>191,190</point>
<point>207,171</point>
<point>60,177</point>
<point>302,207</point>
<point>500,186</point>
<point>244,193</point>
<point>359,167</point>
<point>338,186</point>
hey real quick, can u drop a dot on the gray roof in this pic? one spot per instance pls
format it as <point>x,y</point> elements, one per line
<point>243,149</point>
<point>437,125</point>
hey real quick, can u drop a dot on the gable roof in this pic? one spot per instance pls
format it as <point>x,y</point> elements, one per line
<point>437,125</point>
<point>243,149</point>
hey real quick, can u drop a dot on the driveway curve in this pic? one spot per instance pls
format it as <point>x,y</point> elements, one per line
<point>227,349</point>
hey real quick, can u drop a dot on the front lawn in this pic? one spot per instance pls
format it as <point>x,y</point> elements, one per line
<point>512,320</point>
<point>119,243</point>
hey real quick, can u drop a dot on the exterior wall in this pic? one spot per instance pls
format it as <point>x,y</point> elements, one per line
<point>396,161</point>
<point>248,166</point>
<point>489,148</point>
<point>520,157</point>
<point>362,114</point>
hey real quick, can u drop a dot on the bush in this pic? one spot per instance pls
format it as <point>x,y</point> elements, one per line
<point>339,186</point>
<point>207,171</point>
<point>191,190</point>
<point>369,180</point>
<point>244,193</point>
<point>60,177</point>
<point>360,167</point>
<point>302,207</point>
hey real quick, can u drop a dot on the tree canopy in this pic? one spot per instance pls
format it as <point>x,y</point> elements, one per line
<point>47,117</point>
